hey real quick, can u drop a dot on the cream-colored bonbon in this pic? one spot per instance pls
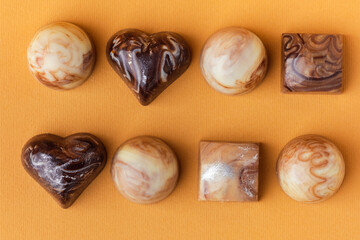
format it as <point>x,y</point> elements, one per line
<point>310,169</point>
<point>233,61</point>
<point>145,169</point>
<point>61,55</point>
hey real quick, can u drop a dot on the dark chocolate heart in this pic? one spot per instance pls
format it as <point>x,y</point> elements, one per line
<point>64,166</point>
<point>148,64</point>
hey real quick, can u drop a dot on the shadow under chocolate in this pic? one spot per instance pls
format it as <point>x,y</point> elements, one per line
<point>266,169</point>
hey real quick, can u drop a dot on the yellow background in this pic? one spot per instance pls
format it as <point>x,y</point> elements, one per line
<point>187,112</point>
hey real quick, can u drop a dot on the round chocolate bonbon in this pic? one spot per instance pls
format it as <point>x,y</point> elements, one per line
<point>145,169</point>
<point>233,61</point>
<point>61,56</point>
<point>310,168</point>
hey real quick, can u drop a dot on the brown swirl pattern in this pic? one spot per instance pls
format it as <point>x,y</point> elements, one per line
<point>148,64</point>
<point>145,169</point>
<point>310,168</point>
<point>312,63</point>
<point>64,166</point>
<point>61,56</point>
<point>233,61</point>
<point>229,171</point>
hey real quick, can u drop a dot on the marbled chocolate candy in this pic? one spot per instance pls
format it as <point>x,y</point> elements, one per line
<point>310,169</point>
<point>61,56</point>
<point>233,61</point>
<point>229,171</point>
<point>145,169</point>
<point>64,166</point>
<point>312,63</point>
<point>148,64</point>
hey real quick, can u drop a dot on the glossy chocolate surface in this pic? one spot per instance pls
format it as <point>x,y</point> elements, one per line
<point>229,171</point>
<point>312,63</point>
<point>148,64</point>
<point>233,61</point>
<point>310,169</point>
<point>61,56</point>
<point>145,169</point>
<point>64,166</point>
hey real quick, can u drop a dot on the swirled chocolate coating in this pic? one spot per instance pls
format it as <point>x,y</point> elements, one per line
<point>148,64</point>
<point>312,63</point>
<point>229,171</point>
<point>61,56</point>
<point>310,168</point>
<point>64,166</point>
<point>145,169</point>
<point>233,61</point>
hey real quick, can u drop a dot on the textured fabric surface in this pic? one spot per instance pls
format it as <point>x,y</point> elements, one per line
<point>185,113</point>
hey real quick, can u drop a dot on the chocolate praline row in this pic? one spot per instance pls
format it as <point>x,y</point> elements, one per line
<point>233,60</point>
<point>145,169</point>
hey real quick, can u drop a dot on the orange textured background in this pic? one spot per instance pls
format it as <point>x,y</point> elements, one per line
<point>188,111</point>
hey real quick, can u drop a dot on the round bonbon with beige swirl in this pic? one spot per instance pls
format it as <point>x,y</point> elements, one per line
<point>233,61</point>
<point>61,55</point>
<point>310,168</point>
<point>144,169</point>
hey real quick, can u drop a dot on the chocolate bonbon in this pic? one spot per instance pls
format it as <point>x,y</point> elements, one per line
<point>229,171</point>
<point>145,169</point>
<point>310,168</point>
<point>64,166</point>
<point>312,63</point>
<point>61,56</point>
<point>148,64</point>
<point>233,61</point>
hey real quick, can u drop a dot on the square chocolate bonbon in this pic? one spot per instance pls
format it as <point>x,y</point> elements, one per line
<point>312,63</point>
<point>228,171</point>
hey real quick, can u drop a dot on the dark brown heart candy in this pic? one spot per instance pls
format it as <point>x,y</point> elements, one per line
<point>148,64</point>
<point>64,166</point>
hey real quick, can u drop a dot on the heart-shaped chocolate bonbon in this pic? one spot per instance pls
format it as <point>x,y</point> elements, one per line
<point>148,64</point>
<point>64,166</point>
